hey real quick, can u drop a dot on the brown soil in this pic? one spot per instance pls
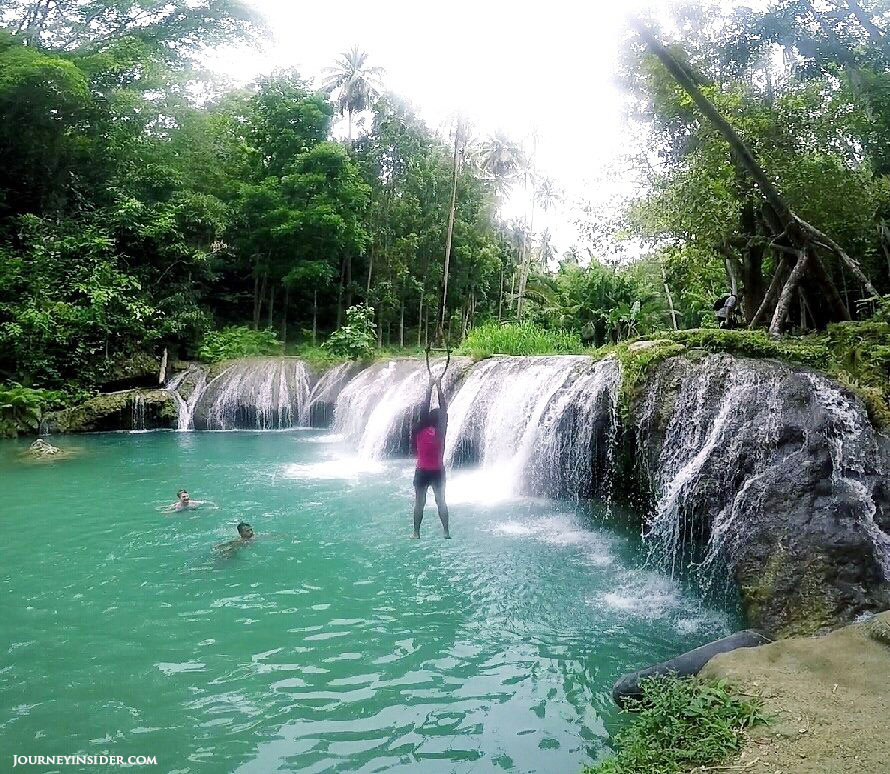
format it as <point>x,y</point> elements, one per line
<point>829,697</point>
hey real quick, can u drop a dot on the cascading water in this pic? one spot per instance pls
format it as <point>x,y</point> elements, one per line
<point>376,409</point>
<point>853,451</point>
<point>319,410</point>
<point>736,432</point>
<point>698,452</point>
<point>196,378</point>
<point>262,394</point>
<point>137,420</point>
<point>539,425</point>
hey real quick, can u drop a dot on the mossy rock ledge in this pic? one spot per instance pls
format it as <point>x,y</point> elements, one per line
<point>778,471</point>
<point>116,411</point>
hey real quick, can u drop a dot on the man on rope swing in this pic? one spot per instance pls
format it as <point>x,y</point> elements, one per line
<point>429,447</point>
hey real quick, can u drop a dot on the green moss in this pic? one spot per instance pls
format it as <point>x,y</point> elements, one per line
<point>856,354</point>
<point>805,610</point>
<point>878,629</point>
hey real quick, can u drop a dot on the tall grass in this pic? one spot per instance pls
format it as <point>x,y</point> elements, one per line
<point>519,339</point>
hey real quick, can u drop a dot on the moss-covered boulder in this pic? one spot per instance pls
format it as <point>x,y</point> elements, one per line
<point>126,410</point>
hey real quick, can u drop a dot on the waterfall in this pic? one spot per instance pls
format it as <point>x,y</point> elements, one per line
<point>137,419</point>
<point>729,439</point>
<point>539,425</point>
<point>196,379</point>
<point>700,453</point>
<point>261,394</point>
<point>319,410</point>
<point>377,408</point>
<point>854,450</point>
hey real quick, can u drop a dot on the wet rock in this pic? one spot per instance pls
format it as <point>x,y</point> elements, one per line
<point>152,409</point>
<point>779,474</point>
<point>684,665</point>
<point>40,449</point>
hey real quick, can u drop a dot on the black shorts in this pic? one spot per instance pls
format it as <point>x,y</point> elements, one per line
<point>425,478</point>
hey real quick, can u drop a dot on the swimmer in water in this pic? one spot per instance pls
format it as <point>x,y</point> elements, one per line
<point>429,446</point>
<point>245,535</point>
<point>185,503</point>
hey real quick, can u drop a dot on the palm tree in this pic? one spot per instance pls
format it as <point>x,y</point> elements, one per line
<point>356,84</point>
<point>500,160</point>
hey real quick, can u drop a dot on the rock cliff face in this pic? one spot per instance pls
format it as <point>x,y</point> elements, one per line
<point>776,474</point>
<point>127,410</point>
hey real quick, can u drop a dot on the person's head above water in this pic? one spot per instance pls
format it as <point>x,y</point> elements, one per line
<point>245,530</point>
<point>183,496</point>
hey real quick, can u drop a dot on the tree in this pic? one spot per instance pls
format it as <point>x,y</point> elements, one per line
<point>356,84</point>
<point>802,259</point>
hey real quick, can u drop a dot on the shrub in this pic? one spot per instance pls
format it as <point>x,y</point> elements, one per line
<point>681,723</point>
<point>238,341</point>
<point>354,340</point>
<point>21,408</point>
<point>519,339</point>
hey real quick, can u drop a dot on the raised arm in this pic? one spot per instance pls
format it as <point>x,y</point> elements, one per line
<point>443,408</point>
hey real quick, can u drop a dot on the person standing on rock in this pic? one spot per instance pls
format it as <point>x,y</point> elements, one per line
<point>429,447</point>
<point>724,309</point>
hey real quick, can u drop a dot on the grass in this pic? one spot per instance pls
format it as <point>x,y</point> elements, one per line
<point>519,339</point>
<point>681,724</point>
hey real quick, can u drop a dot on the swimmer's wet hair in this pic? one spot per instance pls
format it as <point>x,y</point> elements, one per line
<point>181,491</point>
<point>241,525</point>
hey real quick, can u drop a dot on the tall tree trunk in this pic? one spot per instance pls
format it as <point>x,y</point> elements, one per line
<point>451,211</point>
<point>271,304</point>
<point>348,281</point>
<point>283,335</point>
<point>420,320</point>
<point>402,323</point>
<point>501,294</point>
<point>667,293</point>
<point>370,272</point>
<point>258,306</point>
<point>256,299</point>
<point>340,293</point>
<point>314,318</point>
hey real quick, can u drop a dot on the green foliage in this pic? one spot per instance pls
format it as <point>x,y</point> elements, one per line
<point>354,340</point>
<point>519,339</point>
<point>22,407</point>
<point>681,724</point>
<point>238,341</point>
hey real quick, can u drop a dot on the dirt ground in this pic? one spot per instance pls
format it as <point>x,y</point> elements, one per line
<point>829,696</point>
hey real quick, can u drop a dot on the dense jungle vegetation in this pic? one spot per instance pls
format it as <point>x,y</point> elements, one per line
<point>143,206</point>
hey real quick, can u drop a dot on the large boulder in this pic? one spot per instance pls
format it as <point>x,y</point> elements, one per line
<point>778,473</point>
<point>125,410</point>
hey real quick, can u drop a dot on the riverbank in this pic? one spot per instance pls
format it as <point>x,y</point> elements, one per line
<point>829,697</point>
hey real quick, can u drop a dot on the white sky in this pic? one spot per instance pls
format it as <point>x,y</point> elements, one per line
<point>522,67</point>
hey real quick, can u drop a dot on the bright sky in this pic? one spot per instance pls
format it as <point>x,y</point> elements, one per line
<point>522,67</point>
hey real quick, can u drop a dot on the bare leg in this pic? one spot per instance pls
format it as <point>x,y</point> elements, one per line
<point>419,503</point>
<point>439,492</point>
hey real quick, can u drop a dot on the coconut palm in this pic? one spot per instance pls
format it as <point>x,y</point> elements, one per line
<point>500,160</point>
<point>356,84</point>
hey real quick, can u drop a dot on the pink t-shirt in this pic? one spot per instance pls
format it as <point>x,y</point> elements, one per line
<point>430,449</point>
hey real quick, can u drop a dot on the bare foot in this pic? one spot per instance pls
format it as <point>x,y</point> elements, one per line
<point>447,536</point>
<point>415,536</point>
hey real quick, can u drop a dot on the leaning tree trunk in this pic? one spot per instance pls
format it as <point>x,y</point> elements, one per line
<point>805,237</point>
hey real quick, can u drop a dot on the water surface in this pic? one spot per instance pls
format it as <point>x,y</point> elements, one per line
<point>332,643</point>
